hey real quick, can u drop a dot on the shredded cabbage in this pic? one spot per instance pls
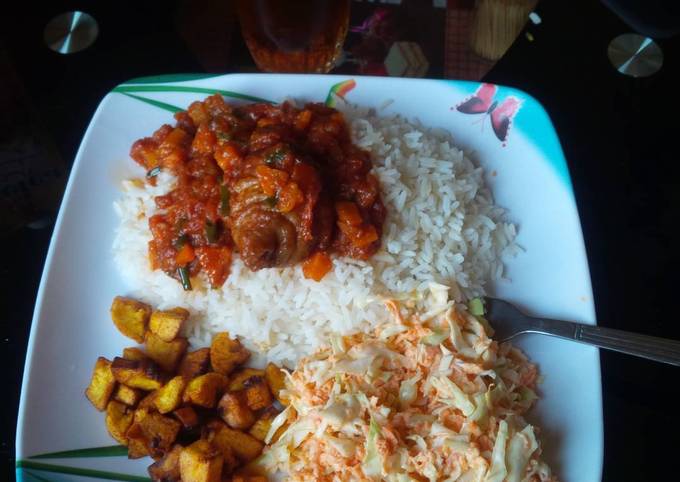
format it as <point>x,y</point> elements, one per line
<point>337,344</point>
<point>498,471</point>
<point>277,423</point>
<point>452,395</point>
<point>522,445</point>
<point>408,391</point>
<point>372,463</point>
<point>437,336</point>
<point>405,404</point>
<point>481,409</point>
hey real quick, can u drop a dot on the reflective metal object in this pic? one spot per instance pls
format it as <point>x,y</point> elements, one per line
<point>71,32</point>
<point>635,55</point>
<point>508,322</point>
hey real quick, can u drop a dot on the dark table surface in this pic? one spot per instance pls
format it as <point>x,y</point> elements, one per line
<point>618,134</point>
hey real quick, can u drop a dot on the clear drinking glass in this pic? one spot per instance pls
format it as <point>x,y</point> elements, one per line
<point>294,35</point>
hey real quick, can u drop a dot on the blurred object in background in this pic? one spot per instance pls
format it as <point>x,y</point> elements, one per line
<point>460,62</point>
<point>406,59</point>
<point>294,35</point>
<point>654,18</point>
<point>32,174</point>
<point>497,24</point>
<point>207,26</point>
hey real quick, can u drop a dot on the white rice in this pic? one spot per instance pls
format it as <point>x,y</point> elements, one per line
<point>441,227</point>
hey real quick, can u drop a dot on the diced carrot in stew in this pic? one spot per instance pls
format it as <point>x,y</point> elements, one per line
<point>264,122</point>
<point>348,213</point>
<point>198,113</point>
<point>365,236</point>
<point>144,151</point>
<point>289,197</point>
<point>176,137</point>
<point>316,266</point>
<point>185,255</point>
<point>303,119</point>
<point>227,156</point>
<point>216,262</point>
<point>271,180</point>
<point>204,140</point>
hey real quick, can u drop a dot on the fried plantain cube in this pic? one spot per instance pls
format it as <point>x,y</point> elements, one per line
<point>257,394</point>
<point>137,443</point>
<point>137,448</point>
<point>167,324</point>
<point>195,363</point>
<point>167,468</point>
<point>134,353</point>
<point>169,396</point>
<point>204,390</point>
<point>157,432</point>
<point>166,354</point>
<point>238,378</point>
<point>235,411</point>
<point>187,416</point>
<point>231,462</point>
<point>131,317</point>
<point>245,446</point>
<point>260,429</point>
<point>201,462</point>
<point>226,353</point>
<point>118,419</point>
<point>101,385</point>
<point>142,374</point>
<point>148,402</point>
<point>127,395</point>
<point>276,379</point>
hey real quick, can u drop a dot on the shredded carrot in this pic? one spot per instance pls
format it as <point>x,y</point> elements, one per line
<point>271,180</point>
<point>185,255</point>
<point>316,266</point>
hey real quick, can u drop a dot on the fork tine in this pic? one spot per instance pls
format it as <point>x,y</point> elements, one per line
<point>506,320</point>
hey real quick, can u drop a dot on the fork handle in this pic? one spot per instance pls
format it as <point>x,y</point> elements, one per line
<point>650,347</point>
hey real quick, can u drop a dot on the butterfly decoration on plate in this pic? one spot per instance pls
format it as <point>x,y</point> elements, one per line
<point>501,113</point>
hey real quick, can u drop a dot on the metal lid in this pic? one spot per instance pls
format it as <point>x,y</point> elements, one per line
<point>71,32</point>
<point>635,55</point>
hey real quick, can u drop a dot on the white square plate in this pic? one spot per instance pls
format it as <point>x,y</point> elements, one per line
<point>71,326</point>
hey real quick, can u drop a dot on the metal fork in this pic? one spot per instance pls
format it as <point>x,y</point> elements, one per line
<point>508,322</point>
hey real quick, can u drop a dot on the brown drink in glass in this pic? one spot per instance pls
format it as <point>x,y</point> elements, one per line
<point>294,35</point>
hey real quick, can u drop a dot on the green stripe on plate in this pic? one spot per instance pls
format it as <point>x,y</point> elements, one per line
<point>110,451</point>
<point>181,88</point>
<point>165,78</point>
<point>155,103</point>
<point>63,469</point>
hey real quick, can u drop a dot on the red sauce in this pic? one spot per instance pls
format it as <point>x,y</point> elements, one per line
<point>276,184</point>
